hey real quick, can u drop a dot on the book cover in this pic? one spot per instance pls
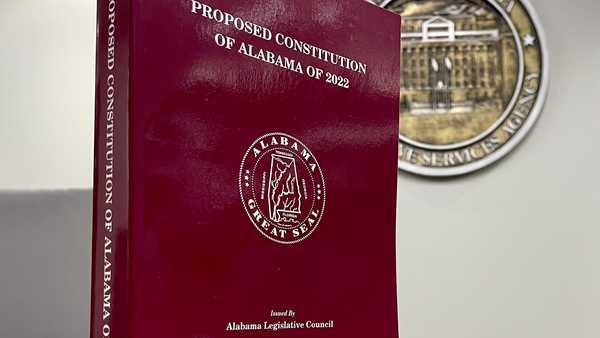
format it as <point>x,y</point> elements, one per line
<point>245,171</point>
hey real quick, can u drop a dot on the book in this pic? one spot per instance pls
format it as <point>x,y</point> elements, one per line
<point>245,169</point>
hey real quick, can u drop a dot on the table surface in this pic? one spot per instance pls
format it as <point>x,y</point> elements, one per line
<point>488,279</point>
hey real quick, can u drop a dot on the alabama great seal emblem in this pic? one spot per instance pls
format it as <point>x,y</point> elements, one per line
<point>282,188</point>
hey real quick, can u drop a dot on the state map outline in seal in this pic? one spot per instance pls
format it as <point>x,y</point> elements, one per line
<point>282,188</point>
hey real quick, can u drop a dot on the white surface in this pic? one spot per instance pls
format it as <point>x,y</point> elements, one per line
<point>510,252</point>
<point>513,251</point>
<point>46,93</point>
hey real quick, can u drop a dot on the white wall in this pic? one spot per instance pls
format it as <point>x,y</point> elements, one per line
<point>46,93</point>
<point>508,252</point>
<point>514,251</point>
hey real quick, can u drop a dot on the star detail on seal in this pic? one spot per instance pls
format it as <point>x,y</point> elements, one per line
<point>529,40</point>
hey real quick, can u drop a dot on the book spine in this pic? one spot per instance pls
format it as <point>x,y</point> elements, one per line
<point>109,303</point>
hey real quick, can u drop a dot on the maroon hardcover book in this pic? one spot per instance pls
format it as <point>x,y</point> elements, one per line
<point>245,174</point>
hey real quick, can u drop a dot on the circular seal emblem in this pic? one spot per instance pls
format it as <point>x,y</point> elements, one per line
<point>282,188</point>
<point>474,80</point>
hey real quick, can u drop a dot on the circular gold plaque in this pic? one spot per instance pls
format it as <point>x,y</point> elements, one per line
<point>474,78</point>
